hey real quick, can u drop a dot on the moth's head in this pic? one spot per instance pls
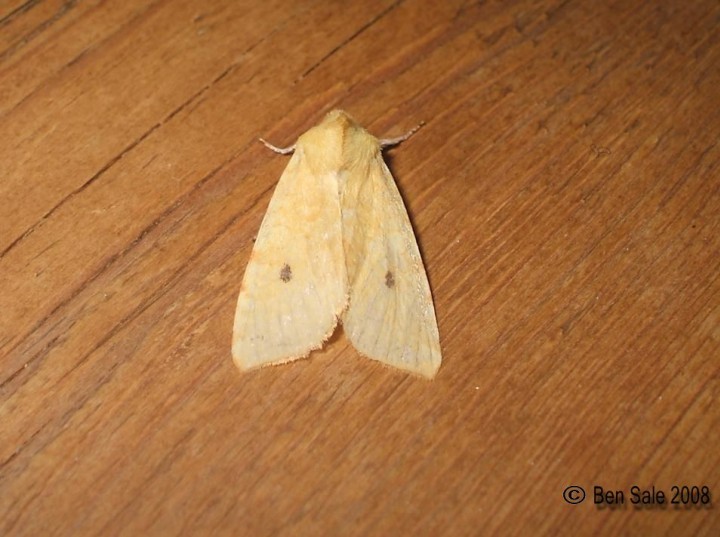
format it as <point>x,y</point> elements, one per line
<point>351,133</point>
<point>336,141</point>
<point>339,118</point>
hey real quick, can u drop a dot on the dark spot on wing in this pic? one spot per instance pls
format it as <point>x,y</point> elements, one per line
<point>389,280</point>
<point>286,273</point>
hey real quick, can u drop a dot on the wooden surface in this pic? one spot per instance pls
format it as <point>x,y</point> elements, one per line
<point>564,193</point>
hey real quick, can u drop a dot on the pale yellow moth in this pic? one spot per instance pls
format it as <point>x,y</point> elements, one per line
<point>336,244</point>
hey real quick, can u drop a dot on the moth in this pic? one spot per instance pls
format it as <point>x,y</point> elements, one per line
<point>336,245</point>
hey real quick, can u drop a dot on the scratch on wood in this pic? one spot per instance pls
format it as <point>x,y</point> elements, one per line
<point>353,36</point>
<point>551,12</point>
<point>24,40</point>
<point>116,256</point>
<point>24,8</point>
<point>692,170</point>
<point>153,298</point>
<point>79,56</point>
<point>132,315</point>
<point>79,189</point>
<point>17,450</point>
<point>130,147</point>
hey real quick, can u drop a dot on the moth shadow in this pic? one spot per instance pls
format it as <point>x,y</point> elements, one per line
<point>335,344</point>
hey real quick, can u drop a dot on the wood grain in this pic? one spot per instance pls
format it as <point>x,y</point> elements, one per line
<point>564,193</point>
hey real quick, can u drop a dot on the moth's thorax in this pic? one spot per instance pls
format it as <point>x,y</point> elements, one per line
<point>337,143</point>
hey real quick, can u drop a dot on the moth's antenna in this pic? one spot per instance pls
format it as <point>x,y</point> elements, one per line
<point>281,150</point>
<point>389,142</point>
